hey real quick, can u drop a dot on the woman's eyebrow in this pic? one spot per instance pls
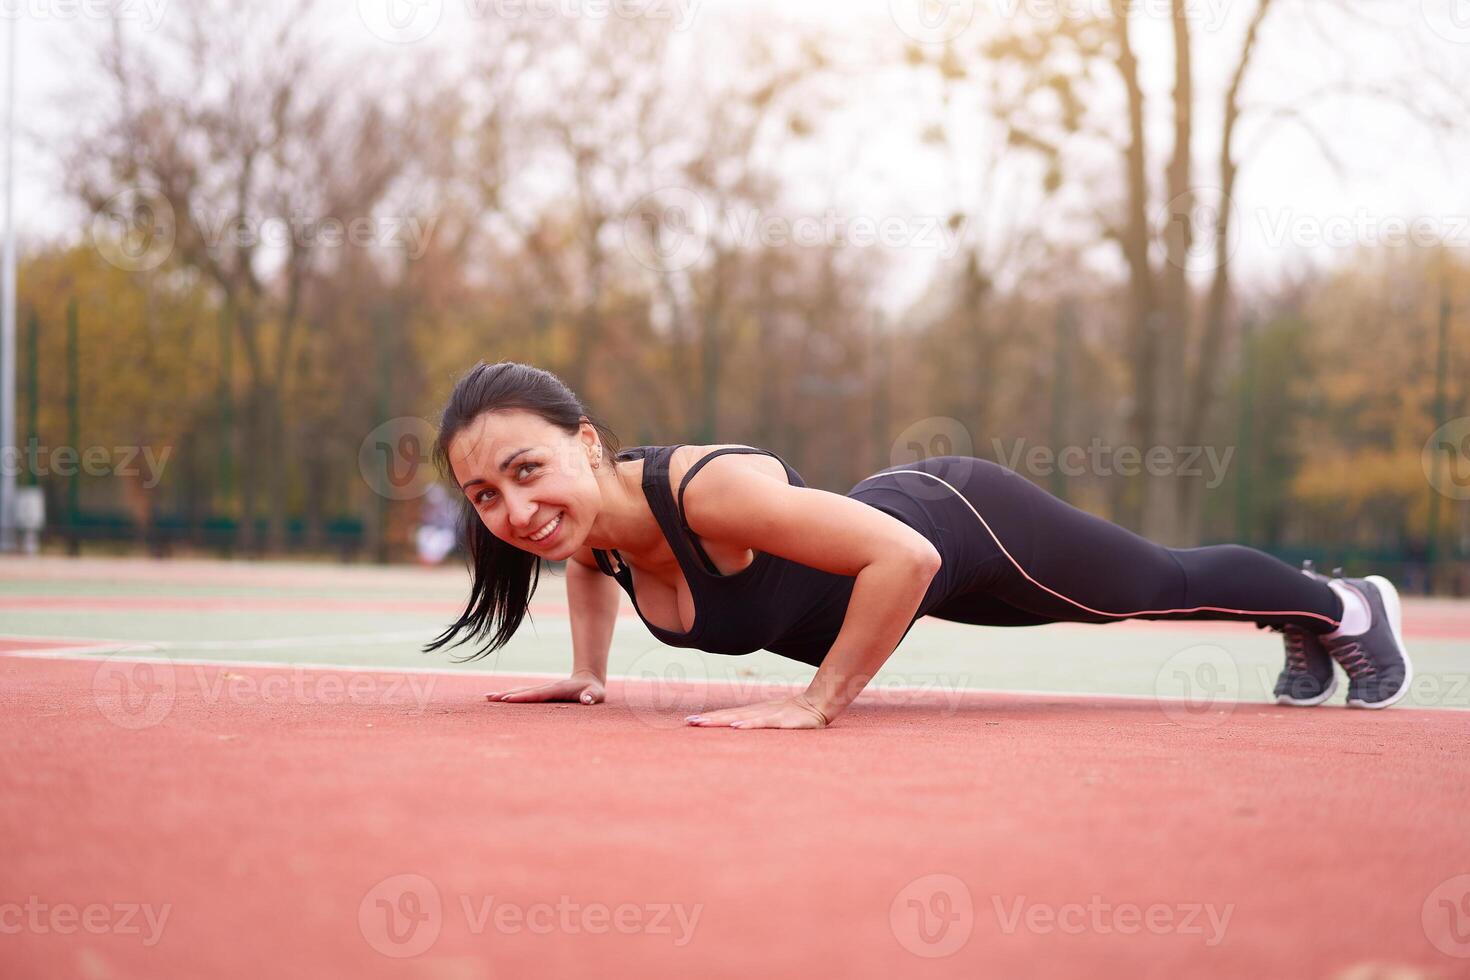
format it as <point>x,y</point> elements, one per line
<point>504,465</point>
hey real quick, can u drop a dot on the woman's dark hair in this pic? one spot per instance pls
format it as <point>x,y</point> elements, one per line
<point>504,576</point>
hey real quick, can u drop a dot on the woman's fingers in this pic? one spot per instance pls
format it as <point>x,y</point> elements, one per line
<point>534,694</point>
<point>569,690</point>
<point>763,721</point>
<point>787,716</point>
<point>770,714</point>
<point>725,716</point>
<point>540,692</point>
<point>721,717</point>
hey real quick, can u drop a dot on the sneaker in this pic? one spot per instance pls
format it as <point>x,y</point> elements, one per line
<point>1375,660</point>
<point>1307,678</point>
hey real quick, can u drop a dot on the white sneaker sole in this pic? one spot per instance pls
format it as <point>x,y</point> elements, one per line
<point>1310,702</point>
<point>1395,620</point>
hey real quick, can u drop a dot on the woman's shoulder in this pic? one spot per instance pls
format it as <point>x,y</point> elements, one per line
<point>685,458</point>
<point>675,462</point>
<point>689,452</point>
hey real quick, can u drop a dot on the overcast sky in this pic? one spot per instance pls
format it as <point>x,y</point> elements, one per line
<point>1291,206</point>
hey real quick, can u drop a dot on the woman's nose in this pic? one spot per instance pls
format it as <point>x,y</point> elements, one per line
<point>522,512</point>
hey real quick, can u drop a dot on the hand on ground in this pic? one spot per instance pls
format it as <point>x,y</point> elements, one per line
<point>792,712</point>
<point>581,688</point>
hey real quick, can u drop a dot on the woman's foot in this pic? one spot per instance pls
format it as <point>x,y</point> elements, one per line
<point>1375,660</point>
<point>1307,678</point>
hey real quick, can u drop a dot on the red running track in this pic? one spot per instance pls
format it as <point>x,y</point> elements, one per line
<point>278,822</point>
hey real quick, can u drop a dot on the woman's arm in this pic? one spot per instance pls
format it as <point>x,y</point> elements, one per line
<point>885,596</point>
<point>592,603</point>
<point>892,563</point>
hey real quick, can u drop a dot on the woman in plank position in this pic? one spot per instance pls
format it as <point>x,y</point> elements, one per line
<point>747,557</point>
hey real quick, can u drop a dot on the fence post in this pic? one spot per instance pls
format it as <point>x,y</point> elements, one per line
<point>1247,411</point>
<point>1061,385</point>
<point>73,426</point>
<point>33,400</point>
<point>1441,368</point>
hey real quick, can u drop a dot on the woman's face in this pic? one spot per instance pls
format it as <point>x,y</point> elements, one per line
<point>524,475</point>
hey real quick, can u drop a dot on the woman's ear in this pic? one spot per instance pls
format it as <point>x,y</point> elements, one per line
<point>588,434</point>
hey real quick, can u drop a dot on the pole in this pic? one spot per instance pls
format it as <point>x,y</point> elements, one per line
<point>73,427</point>
<point>7,322</point>
<point>33,395</point>
<point>382,325</point>
<point>882,363</point>
<point>1247,409</point>
<point>1061,388</point>
<point>1441,371</point>
<point>225,474</point>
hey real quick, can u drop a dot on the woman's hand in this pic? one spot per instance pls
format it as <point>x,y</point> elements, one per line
<point>793,712</point>
<point>580,687</point>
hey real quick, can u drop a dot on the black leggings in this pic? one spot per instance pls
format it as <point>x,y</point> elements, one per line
<point>1014,555</point>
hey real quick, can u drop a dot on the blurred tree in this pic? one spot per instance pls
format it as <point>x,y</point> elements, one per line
<point>144,392</point>
<point>1065,83</point>
<point>1376,342</point>
<point>273,157</point>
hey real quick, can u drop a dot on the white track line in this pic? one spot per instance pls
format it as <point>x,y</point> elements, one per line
<point>878,688</point>
<point>267,643</point>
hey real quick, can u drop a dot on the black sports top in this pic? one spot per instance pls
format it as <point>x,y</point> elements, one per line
<point>774,603</point>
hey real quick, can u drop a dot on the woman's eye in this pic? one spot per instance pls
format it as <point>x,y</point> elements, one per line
<point>484,496</point>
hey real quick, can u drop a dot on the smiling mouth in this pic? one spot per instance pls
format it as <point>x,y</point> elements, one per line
<point>547,529</point>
